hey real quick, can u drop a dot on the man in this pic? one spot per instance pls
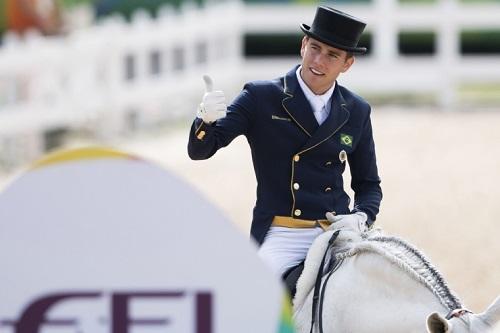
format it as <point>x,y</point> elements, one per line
<point>301,128</point>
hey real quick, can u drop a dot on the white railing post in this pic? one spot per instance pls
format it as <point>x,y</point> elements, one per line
<point>385,33</point>
<point>448,52</point>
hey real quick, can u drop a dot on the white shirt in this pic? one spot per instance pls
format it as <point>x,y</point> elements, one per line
<point>321,104</point>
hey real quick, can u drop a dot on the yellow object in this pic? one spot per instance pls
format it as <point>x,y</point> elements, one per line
<point>88,153</point>
<point>290,222</point>
<point>201,135</point>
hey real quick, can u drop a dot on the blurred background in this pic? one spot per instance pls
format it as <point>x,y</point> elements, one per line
<point>128,74</point>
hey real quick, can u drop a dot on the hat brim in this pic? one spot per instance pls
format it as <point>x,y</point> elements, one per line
<point>356,50</point>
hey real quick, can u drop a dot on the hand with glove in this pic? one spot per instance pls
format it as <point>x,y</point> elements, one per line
<point>213,105</point>
<point>350,222</point>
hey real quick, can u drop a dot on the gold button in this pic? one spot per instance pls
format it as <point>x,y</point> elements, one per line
<point>296,158</point>
<point>201,135</point>
<point>296,186</point>
<point>297,212</point>
<point>328,189</point>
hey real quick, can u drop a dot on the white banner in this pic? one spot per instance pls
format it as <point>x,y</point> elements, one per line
<point>94,240</point>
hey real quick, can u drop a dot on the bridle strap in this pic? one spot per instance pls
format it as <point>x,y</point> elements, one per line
<point>317,285</point>
<point>457,313</point>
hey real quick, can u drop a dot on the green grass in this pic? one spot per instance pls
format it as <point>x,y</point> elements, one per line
<point>71,3</point>
<point>476,1</point>
<point>435,1</point>
<point>477,95</point>
<point>403,99</point>
<point>418,1</point>
<point>482,94</point>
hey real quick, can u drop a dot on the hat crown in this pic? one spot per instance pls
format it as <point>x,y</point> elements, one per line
<point>336,28</point>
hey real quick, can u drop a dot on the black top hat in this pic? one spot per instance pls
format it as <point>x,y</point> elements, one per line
<point>336,29</point>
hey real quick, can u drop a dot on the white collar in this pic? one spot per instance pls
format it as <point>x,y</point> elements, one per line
<point>317,101</point>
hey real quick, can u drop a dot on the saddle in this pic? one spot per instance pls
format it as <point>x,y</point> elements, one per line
<point>291,276</point>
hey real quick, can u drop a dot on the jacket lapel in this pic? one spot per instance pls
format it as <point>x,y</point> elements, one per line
<point>338,117</point>
<point>296,104</point>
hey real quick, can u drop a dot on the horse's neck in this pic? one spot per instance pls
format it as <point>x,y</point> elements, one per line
<point>392,284</point>
<point>368,294</point>
<point>414,263</point>
<point>367,286</point>
<point>376,279</point>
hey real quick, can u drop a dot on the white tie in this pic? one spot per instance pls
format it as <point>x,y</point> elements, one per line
<point>320,115</point>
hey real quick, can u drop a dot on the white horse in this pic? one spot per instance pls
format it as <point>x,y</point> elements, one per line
<point>381,284</point>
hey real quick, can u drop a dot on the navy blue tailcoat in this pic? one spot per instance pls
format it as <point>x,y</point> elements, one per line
<point>298,164</point>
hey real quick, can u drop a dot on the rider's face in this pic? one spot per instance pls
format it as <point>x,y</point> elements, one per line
<point>322,64</point>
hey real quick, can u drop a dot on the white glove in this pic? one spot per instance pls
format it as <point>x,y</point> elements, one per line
<point>351,222</point>
<point>213,105</point>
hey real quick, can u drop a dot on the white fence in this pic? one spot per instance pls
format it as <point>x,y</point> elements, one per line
<point>384,70</point>
<point>114,76</point>
<point>111,77</point>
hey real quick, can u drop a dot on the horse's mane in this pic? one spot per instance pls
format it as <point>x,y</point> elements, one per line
<point>409,259</point>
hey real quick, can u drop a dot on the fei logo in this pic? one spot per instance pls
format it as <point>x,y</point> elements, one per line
<point>88,254</point>
<point>121,316</point>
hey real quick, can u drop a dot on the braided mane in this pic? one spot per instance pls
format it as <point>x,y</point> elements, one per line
<point>410,260</point>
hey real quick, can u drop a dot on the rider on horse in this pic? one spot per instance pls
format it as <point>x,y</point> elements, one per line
<point>301,128</point>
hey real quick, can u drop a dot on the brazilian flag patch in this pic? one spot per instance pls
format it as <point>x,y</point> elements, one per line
<point>346,140</point>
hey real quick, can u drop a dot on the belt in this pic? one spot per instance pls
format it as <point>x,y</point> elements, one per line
<point>290,222</point>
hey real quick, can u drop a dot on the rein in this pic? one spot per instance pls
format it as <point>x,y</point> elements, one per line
<point>334,268</point>
<point>317,285</point>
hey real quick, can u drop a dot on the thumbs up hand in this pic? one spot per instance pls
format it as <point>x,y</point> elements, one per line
<point>213,105</point>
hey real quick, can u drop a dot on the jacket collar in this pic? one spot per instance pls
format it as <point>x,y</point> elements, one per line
<point>299,109</point>
<point>296,104</point>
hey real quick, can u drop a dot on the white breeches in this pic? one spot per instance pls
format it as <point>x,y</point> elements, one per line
<point>284,248</point>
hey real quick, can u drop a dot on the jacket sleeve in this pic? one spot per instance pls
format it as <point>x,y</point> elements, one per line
<point>206,139</point>
<point>365,180</point>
